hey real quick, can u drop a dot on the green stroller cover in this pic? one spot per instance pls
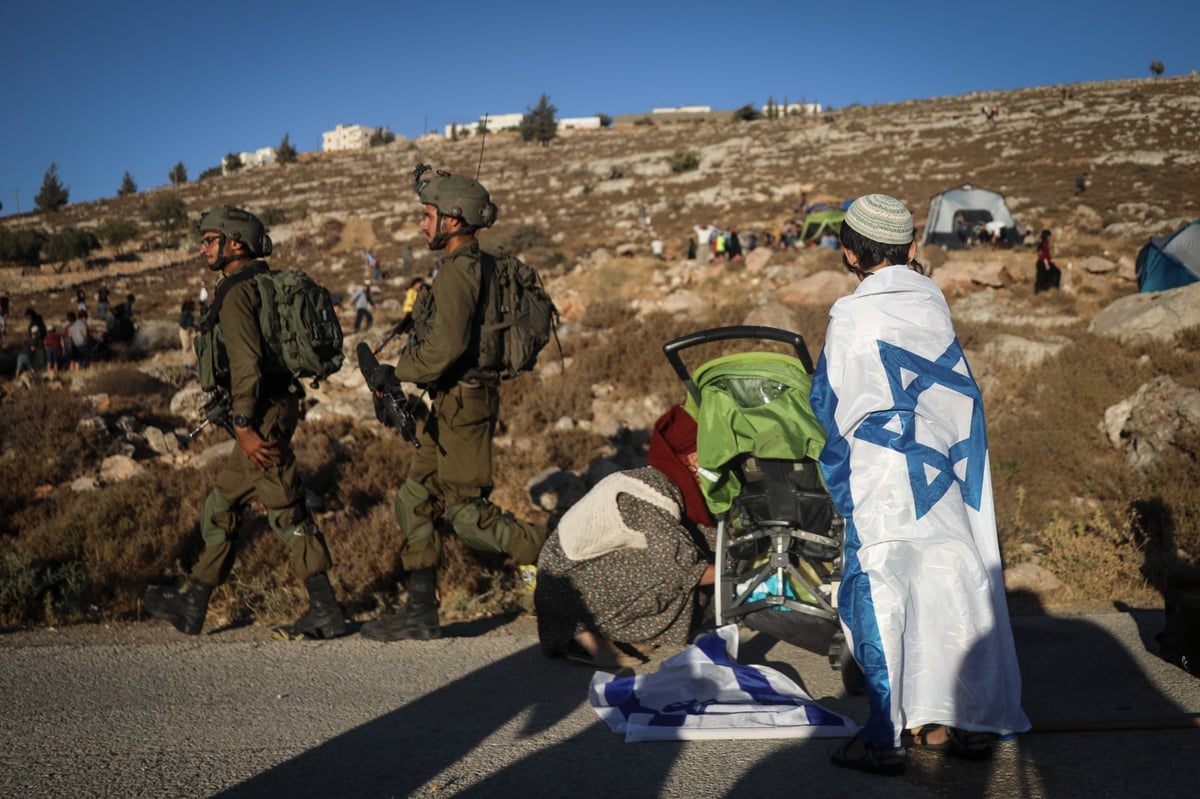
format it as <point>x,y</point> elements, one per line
<point>754,404</point>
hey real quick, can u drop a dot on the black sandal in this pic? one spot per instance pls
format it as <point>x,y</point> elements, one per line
<point>886,762</point>
<point>962,744</point>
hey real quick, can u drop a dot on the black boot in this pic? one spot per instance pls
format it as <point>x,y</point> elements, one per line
<point>324,617</point>
<point>418,620</point>
<point>182,607</point>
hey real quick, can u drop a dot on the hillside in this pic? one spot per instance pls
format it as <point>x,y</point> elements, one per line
<point>1073,515</point>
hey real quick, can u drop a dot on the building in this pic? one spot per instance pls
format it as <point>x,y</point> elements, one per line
<point>501,122</point>
<point>797,109</point>
<point>347,137</point>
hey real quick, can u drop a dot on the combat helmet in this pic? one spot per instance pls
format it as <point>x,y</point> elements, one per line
<point>455,195</point>
<point>234,223</point>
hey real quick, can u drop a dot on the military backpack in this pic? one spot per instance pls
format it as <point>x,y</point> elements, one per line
<point>298,321</point>
<point>518,316</point>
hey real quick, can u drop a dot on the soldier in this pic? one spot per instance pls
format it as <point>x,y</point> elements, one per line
<point>265,409</point>
<point>451,473</point>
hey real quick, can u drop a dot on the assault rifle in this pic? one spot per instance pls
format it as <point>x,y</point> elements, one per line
<point>391,404</point>
<point>216,411</point>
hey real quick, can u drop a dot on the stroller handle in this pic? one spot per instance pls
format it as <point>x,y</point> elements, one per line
<point>673,348</point>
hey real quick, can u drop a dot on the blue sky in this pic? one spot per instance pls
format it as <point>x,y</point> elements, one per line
<point>101,88</point>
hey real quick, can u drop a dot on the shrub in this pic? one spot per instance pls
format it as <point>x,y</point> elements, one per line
<point>684,161</point>
<point>21,245</point>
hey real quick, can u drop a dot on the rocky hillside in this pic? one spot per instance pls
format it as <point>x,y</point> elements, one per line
<point>1052,365</point>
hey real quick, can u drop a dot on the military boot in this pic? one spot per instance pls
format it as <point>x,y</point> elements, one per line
<point>184,608</point>
<point>324,617</point>
<point>419,618</point>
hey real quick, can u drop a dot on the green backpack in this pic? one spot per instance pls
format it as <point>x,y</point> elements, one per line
<point>298,321</point>
<point>518,317</point>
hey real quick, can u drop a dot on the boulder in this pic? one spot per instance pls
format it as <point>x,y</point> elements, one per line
<point>1151,316</point>
<point>1149,423</point>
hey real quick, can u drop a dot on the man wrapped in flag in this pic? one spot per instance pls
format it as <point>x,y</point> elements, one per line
<point>922,598</point>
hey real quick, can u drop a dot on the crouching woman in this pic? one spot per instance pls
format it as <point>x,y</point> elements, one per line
<point>629,562</point>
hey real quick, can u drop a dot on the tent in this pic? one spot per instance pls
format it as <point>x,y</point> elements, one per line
<point>1170,261</point>
<point>816,223</point>
<point>956,214</point>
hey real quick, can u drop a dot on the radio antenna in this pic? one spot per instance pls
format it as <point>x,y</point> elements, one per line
<point>482,141</point>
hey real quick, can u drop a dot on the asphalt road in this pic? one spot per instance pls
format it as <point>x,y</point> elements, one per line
<point>144,711</point>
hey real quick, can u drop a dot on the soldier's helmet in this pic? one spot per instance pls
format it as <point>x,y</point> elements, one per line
<point>455,195</point>
<point>238,225</point>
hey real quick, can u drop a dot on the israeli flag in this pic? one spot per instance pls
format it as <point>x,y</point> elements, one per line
<point>703,693</point>
<point>922,596</point>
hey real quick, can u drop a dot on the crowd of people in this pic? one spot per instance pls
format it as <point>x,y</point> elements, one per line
<point>48,348</point>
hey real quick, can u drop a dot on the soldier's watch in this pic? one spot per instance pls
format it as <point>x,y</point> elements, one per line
<point>241,421</point>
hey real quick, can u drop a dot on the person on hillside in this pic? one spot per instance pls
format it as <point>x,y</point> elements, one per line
<point>264,409</point>
<point>410,300</point>
<point>629,562</point>
<point>80,336</point>
<point>102,302</point>
<point>5,302</point>
<point>704,237</point>
<point>52,344</point>
<point>450,476</point>
<point>362,302</point>
<point>187,329</point>
<point>922,600</point>
<point>1048,275</point>
<point>35,336</point>
<point>80,299</point>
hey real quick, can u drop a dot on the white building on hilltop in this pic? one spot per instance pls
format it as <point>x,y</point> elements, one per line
<point>796,109</point>
<point>501,122</point>
<point>346,137</point>
<point>263,156</point>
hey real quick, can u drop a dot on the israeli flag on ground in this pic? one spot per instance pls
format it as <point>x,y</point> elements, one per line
<point>703,693</point>
<point>922,596</point>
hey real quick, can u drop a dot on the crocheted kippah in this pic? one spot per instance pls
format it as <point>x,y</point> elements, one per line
<point>880,218</point>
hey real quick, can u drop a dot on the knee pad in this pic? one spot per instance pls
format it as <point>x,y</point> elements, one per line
<point>291,522</point>
<point>219,520</point>
<point>413,511</point>
<point>482,526</point>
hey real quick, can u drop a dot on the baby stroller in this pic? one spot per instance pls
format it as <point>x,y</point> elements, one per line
<point>779,539</point>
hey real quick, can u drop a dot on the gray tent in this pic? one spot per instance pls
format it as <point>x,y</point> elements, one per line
<point>955,215</point>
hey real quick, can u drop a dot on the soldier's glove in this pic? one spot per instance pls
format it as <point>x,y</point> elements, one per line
<point>382,378</point>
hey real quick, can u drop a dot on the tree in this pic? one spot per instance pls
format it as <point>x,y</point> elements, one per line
<point>605,120</point>
<point>381,136</point>
<point>285,153</point>
<point>53,194</point>
<point>68,244</point>
<point>748,113</point>
<point>539,124</point>
<point>211,172</point>
<point>116,232</point>
<point>232,163</point>
<point>167,213</point>
<point>178,174</point>
<point>21,245</point>
<point>127,185</point>
<point>1156,68</point>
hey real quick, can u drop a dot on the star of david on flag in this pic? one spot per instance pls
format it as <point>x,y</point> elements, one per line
<point>940,389</point>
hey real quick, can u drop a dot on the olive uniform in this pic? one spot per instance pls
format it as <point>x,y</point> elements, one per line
<point>451,474</point>
<point>270,398</point>
<point>264,397</point>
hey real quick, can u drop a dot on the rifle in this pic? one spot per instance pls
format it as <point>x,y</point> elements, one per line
<point>392,407</point>
<point>216,411</point>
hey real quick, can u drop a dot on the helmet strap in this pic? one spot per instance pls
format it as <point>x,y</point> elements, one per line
<point>222,259</point>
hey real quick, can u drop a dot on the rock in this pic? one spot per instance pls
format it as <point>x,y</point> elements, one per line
<point>1096,265</point>
<point>1147,424</point>
<point>117,468</point>
<point>773,314</point>
<point>1153,316</point>
<point>84,484</point>
<point>1031,577</point>
<point>821,288</point>
<point>160,442</point>
<point>1021,352</point>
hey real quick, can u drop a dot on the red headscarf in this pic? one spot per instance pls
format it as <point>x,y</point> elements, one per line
<point>674,437</point>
